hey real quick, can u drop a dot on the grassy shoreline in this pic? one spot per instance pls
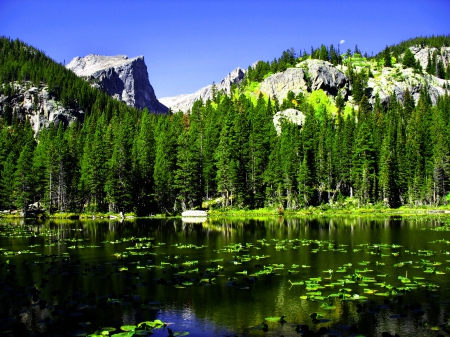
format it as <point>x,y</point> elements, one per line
<point>320,211</point>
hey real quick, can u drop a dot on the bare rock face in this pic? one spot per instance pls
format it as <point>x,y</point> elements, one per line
<point>278,85</point>
<point>421,54</point>
<point>120,77</point>
<point>185,102</point>
<point>309,75</point>
<point>37,105</point>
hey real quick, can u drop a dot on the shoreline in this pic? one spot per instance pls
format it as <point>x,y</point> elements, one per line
<point>319,211</point>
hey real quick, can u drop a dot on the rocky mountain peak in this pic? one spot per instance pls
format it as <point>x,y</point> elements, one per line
<point>121,77</point>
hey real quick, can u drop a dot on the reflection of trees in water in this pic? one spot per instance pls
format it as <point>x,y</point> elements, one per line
<point>96,271</point>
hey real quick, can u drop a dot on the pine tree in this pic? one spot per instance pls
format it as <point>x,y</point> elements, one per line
<point>262,131</point>
<point>273,176</point>
<point>187,180</point>
<point>165,161</point>
<point>289,153</point>
<point>226,160</point>
<point>305,189</point>
<point>7,191</point>
<point>118,186</point>
<point>408,59</point>
<point>23,179</point>
<point>212,122</point>
<point>143,162</point>
<point>324,55</point>
<point>94,161</point>
<point>363,160</point>
<point>387,57</point>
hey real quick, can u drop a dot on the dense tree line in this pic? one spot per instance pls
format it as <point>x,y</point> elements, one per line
<point>227,152</point>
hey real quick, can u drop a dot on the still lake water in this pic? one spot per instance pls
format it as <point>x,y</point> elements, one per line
<point>226,277</point>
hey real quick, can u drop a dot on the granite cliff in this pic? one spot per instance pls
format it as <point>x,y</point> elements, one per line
<point>120,77</point>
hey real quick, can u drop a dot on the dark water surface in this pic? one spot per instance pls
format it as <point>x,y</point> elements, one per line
<point>225,277</point>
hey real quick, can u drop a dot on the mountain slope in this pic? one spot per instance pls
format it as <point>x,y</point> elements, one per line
<point>185,102</point>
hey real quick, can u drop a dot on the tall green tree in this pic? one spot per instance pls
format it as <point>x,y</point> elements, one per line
<point>118,186</point>
<point>23,179</point>
<point>7,190</point>
<point>143,163</point>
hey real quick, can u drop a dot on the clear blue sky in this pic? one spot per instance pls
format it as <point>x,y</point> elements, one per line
<point>189,44</point>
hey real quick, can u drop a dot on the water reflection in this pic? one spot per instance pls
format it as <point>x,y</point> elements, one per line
<point>222,276</point>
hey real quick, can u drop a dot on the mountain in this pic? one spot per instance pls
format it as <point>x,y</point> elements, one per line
<point>184,102</point>
<point>120,77</point>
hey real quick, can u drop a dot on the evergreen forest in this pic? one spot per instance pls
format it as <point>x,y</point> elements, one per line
<point>226,153</point>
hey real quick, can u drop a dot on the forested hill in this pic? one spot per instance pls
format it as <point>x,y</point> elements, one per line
<point>35,87</point>
<point>344,150</point>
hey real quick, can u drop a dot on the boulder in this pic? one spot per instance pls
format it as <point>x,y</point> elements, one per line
<point>120,77</point>
<point>195,214</point>
<point>323,75</point>
<point>291,115</point>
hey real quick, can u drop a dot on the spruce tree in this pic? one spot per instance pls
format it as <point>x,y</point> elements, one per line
<point>187,180</point>
<point>408,59</point>
<point>7,190</point>
<point>23,179</point>
<point>143,162</point>
<point>387,57</point>
<point>118,186</point>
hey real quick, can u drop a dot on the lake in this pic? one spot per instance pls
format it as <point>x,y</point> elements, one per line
<point>226,277</point>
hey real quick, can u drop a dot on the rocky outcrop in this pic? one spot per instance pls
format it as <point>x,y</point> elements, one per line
<point>37,105</point>
<point>185,102</point>
<point>122,78</point>
<point>396,80</point>
<point>291,115</point>
<point>278,85</point>
<point>323,75</point>
<point>309,75</point>
<point>421,54</point>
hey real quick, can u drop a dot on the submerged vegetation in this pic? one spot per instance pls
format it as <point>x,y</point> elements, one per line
<point>226,152</point>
